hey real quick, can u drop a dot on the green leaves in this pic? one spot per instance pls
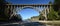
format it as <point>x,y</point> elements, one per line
<point>53,15</point>
<point>3,17</point>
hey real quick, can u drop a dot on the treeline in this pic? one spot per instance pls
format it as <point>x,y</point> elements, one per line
<point>54,13</point>
<point>4,16</point>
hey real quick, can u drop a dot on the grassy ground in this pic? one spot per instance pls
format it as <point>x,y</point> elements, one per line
<point>50,22</point>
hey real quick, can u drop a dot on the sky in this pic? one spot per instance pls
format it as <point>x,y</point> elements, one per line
<point>29,1</point>
<point>28,12</point>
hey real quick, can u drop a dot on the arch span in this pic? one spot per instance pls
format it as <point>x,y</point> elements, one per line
<point>21,8</point>
<point>12,8</point>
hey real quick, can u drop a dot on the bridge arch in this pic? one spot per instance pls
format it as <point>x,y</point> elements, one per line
<point>31,7</point>
<point>12,7</point>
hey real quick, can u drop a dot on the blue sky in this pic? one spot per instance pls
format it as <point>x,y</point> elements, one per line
<point>27,13</point>
<point>29,1</point>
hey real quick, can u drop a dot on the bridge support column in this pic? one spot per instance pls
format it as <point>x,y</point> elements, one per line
<point>11,10</point>
<point>45,14</point>
<point>14,10</point>
<point>39,9</point>
<point>47,9</point>
<point>8,7</point>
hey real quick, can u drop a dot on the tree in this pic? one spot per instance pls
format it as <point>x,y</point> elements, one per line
<point>56,6</point>
<point>41,17</point>
<point>53,15</point>
<point>16,18</point>
<point>3,17</point>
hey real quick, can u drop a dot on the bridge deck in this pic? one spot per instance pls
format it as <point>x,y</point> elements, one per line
<point>28,4</point>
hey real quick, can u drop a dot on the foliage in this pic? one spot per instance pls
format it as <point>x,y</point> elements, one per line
<point>3,12</point>
<point>54,11</point>
<point>41,17</point>
<point>53,15</point>
<point>56,6</point>
<point>15,18</point>
<point>2,9</point>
